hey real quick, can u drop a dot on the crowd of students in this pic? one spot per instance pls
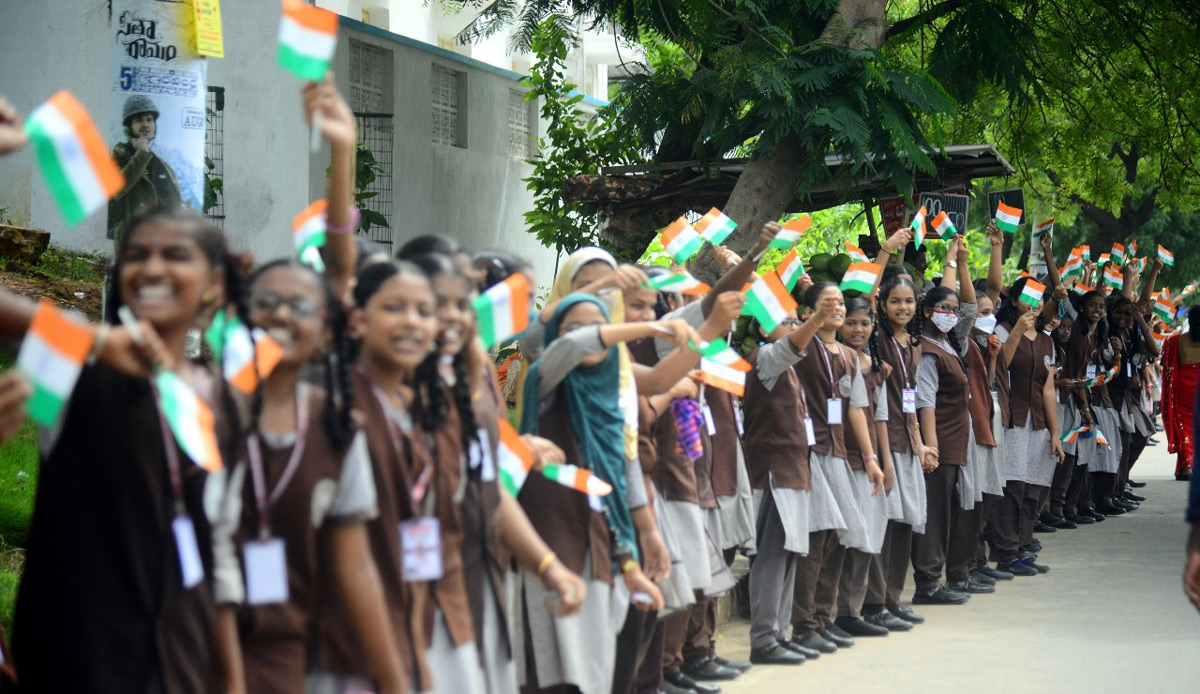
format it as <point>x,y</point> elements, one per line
<point>358,537</point>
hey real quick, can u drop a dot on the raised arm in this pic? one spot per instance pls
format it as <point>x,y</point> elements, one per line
<point>674,366</point>
<point>995,277</point>
<point>340,128</point>
<point>735,279</point>
<point>1148,288</point>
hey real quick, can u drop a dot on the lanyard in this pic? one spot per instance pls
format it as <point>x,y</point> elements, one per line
<point>170,447</point>
<point>943,347</point>
<point>254,451</point>
<point>903,355</point>
<point>420,488</point>
<point>833,389</point>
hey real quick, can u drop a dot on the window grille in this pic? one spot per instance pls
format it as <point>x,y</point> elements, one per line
<point>214,157</point>
<point>445,98</point>
<point>522,144</point>
<point>375,132</point>
<point>369,76</point>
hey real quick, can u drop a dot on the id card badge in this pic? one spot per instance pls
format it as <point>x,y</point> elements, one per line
<point>481,456</point>
<point>808,430</point>
<point>737,417</point>
<point>189,551</point>
<point>908,400</point>
<point>266,571</point>
<point>708,420</point>
<point>1091,370</point>
<point>1128,369</point>
<point>421,549</point>
<point>834,411</point>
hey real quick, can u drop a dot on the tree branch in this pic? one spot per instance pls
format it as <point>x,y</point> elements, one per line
<point>920,19</point>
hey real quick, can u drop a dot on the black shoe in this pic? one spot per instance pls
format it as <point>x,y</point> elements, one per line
<point>738,665</point>
<point>887,620</point>
<point>971,587</point>
<point>836,636</point>
<point>906,613</point>
<point>855,626</point>
<point>665,687</point>
<point>1126,504</point>
<point>684,682</point>
<point>980,577</point>
<point>939,595</point>
<point>1151,442</point>
<point>1110,510</point>
<point>775,655</point>
<point>1059,522</point>
<point>1035,546</point>
<point>1136,485</point>
<point>995,574</point>
<point>1017,567</point>
<point>1130,496</point>
<point>1183,476</point>
<point>1030,560</point>
<point>708,670</point>
<point>1078,519</point>
<point>1040,527</point>
<point>794,647</point>
<point>814,641</point>
<point>1095,515</point>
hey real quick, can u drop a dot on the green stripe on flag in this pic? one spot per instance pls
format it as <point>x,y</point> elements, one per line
<point>56,176</point>
<point>485,316</point>
<point>44,406</point>
<point>303,66</point>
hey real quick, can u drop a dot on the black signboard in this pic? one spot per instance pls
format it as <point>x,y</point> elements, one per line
<point>955,206</point>
<point>1012,198</point>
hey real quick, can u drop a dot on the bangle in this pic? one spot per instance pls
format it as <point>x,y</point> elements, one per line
<point>545,564</point>
<point>99,342</point>
<point>869,458</point>
<point>349,227</point>
<point>629,565</point>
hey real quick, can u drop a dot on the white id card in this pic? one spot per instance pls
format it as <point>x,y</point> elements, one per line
<point>708,421</point>
<point>481,456</point>
<point>834,411</point>
<point>421,549</point>
<point>1129,369</point>
<point>737,417</point>
<point>189,551</point>
<point>266,571</point>
<point>908,400</point>
<point>1091,370</point>
<point>808,430</point>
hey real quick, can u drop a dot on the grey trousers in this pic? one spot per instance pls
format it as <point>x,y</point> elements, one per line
<point>817,575</point>
<point>889,568</point>
<point>772,578</point>
<point>852,588</point>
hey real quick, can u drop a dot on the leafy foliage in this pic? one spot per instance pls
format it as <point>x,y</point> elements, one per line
<point>366,167</point>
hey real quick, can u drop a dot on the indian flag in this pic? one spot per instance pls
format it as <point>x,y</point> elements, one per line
<point>307,39</point>
<point>1167,257</point>
<point>1032,293</point>
<point>680,282</point>
<point>681,240</point>
<point>943,226</point>
<point>52,356</point>
<point>503,310</point>
<point>918,227</point>
<point>576,478</point>
<point>1164,308</point>
<point>1188,289</point>
<point>1007,218</point>
<point>1085,252</point>
<point>244,361</point>
<point>1118,254</point>
<point>1133,246</point>
<point>856,254</point>
<point>515,459</point>
<point>1073,266</point>
<point>790,269</point>
<point>768,300</point>
<point>1072,435</point>
<point>78,169</point>
<point>1043,227</point>
<point>1082,289</point>
<point>722,367</point>
<point>715,227</point>
<point>1158,339</point>
<point>1103,259</point>
<point>861,276</point>
<point>1100,438</point>
<point>190,420</point>
<point>1113,277</point>
<point>791,232</point>
<point>308,234</point>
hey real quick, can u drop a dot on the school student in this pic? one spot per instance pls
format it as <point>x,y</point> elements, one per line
<point>1087,351</point>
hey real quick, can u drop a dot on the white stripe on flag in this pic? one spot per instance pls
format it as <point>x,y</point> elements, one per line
<point>51,370</point>
<point>305,41</point>
<point>72,158</point>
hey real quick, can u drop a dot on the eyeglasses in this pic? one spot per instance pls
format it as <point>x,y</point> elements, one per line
<point>946,308</point>
<point>790,322</point>
<point>301,307</point>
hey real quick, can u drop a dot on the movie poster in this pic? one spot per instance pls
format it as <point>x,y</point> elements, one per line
<point>157,126</point>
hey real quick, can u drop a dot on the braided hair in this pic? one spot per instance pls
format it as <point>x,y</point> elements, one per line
<point>916,325</point>
<point>932,299</point>
<point>859,304</point>
<point>335,363</point>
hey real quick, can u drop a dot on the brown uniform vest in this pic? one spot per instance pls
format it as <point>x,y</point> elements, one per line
<point>951,411</point>
<point>1082,350</point>
<point>776,444</point>
<point>1027,374</point>
<point>813,370</point>
<point>724,444</point>
<point>902,428</point>
<point>854,454</point>
<point>450,591</point>
<point>982,406</point>
<point>675,475</point>
<point>394,464</point>
<point>647,445</point>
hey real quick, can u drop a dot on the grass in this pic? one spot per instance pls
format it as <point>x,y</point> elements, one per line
<point>18,485</point>
<point>59,262</point>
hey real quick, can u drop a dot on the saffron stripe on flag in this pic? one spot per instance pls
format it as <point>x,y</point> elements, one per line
<point>52,356</point>
<point>503,310</point>
<point>727,378</point>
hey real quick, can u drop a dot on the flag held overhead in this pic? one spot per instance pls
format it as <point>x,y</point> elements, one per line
<point>790,269</point>
<point>503,310</point>
<point>1007,217</point>
<point>861,277</point>
<point>715,227</point>
<point>792,230</point>
<point>944,227</point>
<point>307,39</point>
<point>768,300</point>
<point>680,282</point>
<point>918,227</point>
<point>681,240</point>
<point>1167,257</point>
<point>856,254</point>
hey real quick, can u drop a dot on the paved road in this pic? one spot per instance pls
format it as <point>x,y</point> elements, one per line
<point>1109,617</point>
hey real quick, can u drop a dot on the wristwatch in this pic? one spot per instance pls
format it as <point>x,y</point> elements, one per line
<point>952,264</point>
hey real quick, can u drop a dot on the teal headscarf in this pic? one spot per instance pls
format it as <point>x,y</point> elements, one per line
<point>591,394</point>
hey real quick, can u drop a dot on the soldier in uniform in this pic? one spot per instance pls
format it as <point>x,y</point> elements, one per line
<point>149,180</point>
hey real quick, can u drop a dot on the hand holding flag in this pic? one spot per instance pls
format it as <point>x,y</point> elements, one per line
<point>1007,217</point>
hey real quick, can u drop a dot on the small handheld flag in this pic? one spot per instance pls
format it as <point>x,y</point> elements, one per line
<point>1113,277</point>
<point>1080,289</point>
<point>515,459</point>
<point>790,269</point>
<point>1103,259</point>
<point>861,277</point>
<point>768,300</point>
<point>308,234</point>
<point>1032,293</point>
<point>1167,257</point>
<point>1158,339</point>
<point>1100,438</point>
<point>1133,247</point>
<point>1072,435</point>
<point>1043,227</point>
<point>244,361</point>
<point>856,254</point>
<point>792,230</point>
<point>190,419</point>
<point>78,169</point>
<point>918,227</point>
<point>1118,255</point>
<point>576,478</point>
<point>715,227</point>
<point>52,356</point>
<point>722,367</point>
<point>1073,266</point>
<point>1085,252</point>
<point>503,310</point>
<point>681,240</point>
<point>1007,218</point>
<point>307,40</point>
<point>943,226</point>
<point>680,282</point>
<point>1164,308</point>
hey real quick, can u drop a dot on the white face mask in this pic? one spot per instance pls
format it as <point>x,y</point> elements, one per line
<point>986,323</point>
<point>944,321</point>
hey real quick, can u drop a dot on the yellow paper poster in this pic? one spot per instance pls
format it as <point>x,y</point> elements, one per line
<point>210,40</point>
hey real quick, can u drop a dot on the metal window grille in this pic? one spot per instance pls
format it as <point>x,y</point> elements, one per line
<point>214,156</point>
<point>445,100</point>
<point>375,132</point>
<point>368,77</point>
<point>521,145</point>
